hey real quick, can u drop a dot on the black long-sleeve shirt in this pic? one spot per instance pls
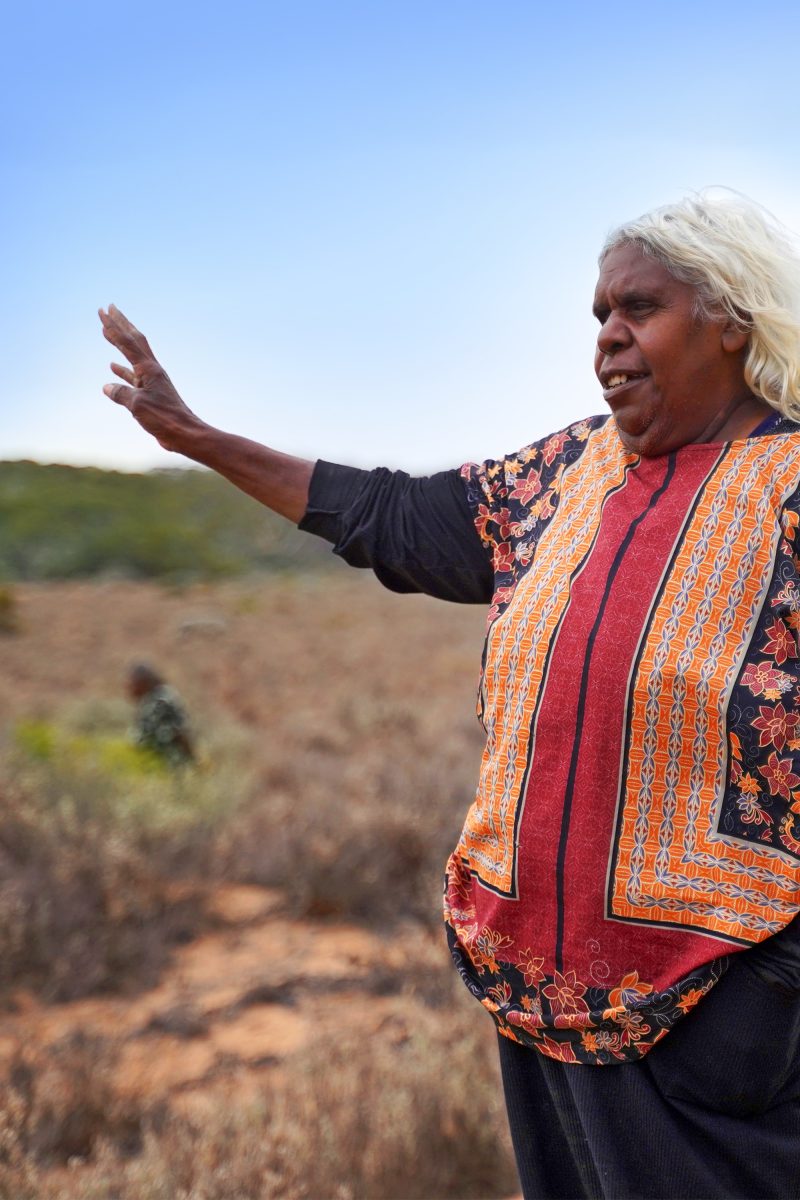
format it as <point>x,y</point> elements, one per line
<point>417,534</point>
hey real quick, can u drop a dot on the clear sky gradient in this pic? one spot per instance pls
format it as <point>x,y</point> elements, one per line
<point>359,231</point>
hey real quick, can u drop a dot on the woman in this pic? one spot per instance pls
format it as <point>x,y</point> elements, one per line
<point>622,892</point>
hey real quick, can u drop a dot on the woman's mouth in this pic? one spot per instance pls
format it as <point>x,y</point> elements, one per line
<point>621,380</point>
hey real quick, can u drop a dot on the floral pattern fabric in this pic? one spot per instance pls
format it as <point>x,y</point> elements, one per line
<point>638,814</point>
<point>556,1013</point>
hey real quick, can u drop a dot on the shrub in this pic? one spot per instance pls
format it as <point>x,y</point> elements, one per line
<point>64,522</point>
<point>64,1102</point>
<point>356,818</point>
<point>413,1114</point>
<point>93,835</point>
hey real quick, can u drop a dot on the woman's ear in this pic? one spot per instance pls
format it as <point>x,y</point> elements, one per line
<point>734,337</point>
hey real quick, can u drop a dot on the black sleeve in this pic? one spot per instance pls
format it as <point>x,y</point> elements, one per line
<point>417,534</point>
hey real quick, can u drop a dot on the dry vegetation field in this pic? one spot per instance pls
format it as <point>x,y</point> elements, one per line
<point>231,983</point>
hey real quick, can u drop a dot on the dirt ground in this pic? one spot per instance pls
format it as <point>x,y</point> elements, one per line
<point>232,1005</point>
<point>287,663</point>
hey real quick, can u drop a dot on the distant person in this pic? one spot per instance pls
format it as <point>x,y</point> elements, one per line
<point>161,724</point>
<point>623,897</point>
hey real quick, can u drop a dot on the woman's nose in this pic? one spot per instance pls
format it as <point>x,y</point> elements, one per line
<point>614,335</point>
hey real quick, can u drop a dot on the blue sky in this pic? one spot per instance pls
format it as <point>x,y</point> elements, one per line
<point>359,231</point>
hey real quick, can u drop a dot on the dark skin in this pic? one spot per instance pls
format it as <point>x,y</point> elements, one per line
<point>687,383</point>
<point>137,688</point>
<point>277,480</point>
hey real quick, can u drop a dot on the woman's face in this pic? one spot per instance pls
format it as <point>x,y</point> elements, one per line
<point>669,377</point>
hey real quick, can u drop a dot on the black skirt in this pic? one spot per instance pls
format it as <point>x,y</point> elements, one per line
<point>712,1111</point>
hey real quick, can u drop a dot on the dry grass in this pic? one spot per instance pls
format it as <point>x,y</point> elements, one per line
<point>360,822</point>
<point>409,1117</point>
<point>340,752</point>
<point>93,838</point>
<point>81,910</point>
<point>62,1106</point>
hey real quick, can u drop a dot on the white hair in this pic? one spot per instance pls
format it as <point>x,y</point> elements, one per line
<point>743,263</point>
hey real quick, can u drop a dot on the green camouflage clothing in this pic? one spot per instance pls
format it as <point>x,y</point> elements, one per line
<point>161,725</point>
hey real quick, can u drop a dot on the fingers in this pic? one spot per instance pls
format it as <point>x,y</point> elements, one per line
<point>124,373</point>
<point>113,333</point>
<point>120,394</point>
<point>125,325</point>
<point>118,330</point>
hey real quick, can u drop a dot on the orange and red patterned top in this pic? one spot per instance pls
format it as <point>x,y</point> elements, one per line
<point>638,811</point>
<point>637,817</point>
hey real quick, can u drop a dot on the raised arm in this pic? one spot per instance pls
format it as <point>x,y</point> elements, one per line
<point>279,481</point>
<point>417,535</point>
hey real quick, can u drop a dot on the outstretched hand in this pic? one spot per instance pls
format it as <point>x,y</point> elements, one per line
<point>147,393</point>
<point>280,481</point>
